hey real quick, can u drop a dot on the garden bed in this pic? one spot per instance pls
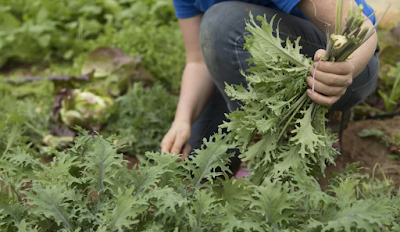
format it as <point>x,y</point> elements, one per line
<point>368,151</point>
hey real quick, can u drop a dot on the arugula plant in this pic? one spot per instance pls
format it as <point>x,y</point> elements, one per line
<point>89,188</point>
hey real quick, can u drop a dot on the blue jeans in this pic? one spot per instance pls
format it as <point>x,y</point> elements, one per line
<point>221,36</point>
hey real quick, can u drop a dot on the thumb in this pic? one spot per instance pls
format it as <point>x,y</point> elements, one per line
<point>319,54</point>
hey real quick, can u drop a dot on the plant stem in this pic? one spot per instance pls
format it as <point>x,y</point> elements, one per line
<point>291,110</point>
<point>16,193</point>
<point>315,108</point>
<point>337,17</point>
<point>245,209</point>
<point>341,17</point>
<point>297,106</point>
<point>30,126</point>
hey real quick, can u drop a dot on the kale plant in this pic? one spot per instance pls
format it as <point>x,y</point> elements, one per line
<point>89,187</point>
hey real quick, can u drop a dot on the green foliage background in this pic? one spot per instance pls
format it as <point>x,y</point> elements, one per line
<point>59,35</point>
<point>54,31</point>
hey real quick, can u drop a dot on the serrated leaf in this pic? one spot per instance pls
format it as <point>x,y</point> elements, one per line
<point>238,127</point>
<point>203,204</point>
<point>173,168</point>
<point>238,92</point>
<point>367,215</point>
<point>168,204</point>
<point>101,164</point>
<point>125,211</point>
<point>147,177</point>
<point>262,150</point>
<point>14,212</point>
<point>291,159</point>
<point>2,217</point>
<point>266,125</point>
<point>274,201</point>
<point>12,137</point>
<point>212,155</point>
<point>304,133</point>
<point>59,170</point>
<point>310,189</point>
<point>266,49</point>
<point>51,202</point>
<point>23,226</point>
<point>232,191</point>
<point>153,227</point>
<point>230,223</point>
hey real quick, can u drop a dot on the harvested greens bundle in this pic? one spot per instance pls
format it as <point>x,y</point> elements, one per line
<point>275,103</point>
<point>347,39</point>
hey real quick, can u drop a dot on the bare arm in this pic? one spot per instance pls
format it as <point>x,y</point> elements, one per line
<point>333,79</point>
<point>197,88</point>
<point>326,11</point>
<point>197,85</point>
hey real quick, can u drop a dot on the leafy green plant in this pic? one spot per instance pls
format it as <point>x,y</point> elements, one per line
<point>32,31</point>
<point>89,188</point>
<point>113,71</point>
<point>25,114</point>
<point>275,103</point>
<point>88,108</point>
<point>161,48</point>
<point>387,94</point>
<point>392,99</point>
<point>141,118</point>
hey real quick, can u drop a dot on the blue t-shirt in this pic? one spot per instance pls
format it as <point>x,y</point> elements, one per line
<point>190,8</point>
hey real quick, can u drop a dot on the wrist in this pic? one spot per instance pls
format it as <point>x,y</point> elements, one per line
<point>182,119</point>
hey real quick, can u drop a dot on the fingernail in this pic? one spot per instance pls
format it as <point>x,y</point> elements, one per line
<point>309,91</point>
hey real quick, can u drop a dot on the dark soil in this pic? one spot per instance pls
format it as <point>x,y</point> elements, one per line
<point>368,151</point>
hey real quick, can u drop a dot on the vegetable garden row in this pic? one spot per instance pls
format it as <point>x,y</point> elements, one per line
<point>102,85</point>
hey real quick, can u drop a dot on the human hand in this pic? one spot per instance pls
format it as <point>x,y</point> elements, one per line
<point>175,141</point>
<point>331,80</point>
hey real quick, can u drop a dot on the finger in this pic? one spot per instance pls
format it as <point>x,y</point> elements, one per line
<point>319,54</point>
<point>325,89</point>
<point>186,150</point>
<point>321,99</point>
<point>339,68</point>
<point>178,145</point>
<point>332,79</point>
<point>167,143</point>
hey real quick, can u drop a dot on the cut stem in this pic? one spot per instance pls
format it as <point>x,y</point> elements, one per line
<point>341,17</point>
<point>337,17</point>
<point>291,110</point>
<point>313,79</point>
